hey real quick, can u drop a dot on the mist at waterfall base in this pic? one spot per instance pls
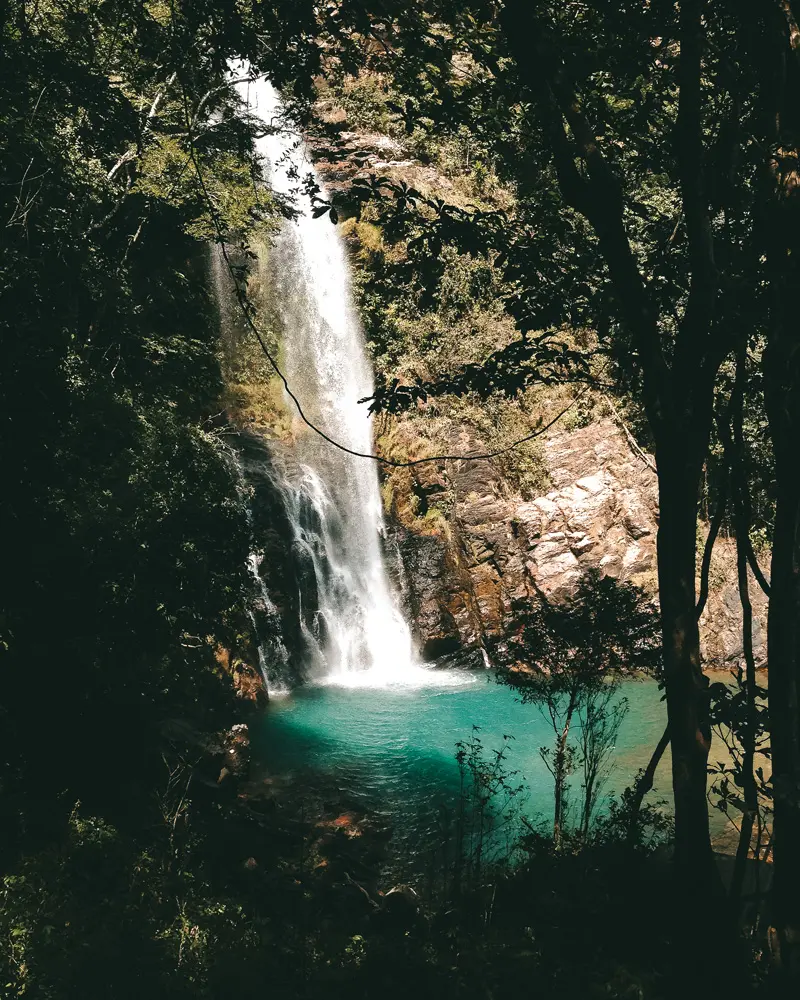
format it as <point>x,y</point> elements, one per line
<point>371,723</point>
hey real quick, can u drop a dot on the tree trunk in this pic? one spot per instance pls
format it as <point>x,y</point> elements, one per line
<point>784,688</point>
<point>591,768</point>
<point>774,40</point>
<point>735,451</point>
<point>686,686</point>
<point>749,788</point>
<point>678,393</point>
<point>560,773</point>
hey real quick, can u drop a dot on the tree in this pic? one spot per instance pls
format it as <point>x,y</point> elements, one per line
<point>127,531</point>
<point>620,129</point>
<point>126,527</point>
<point>600,718</point>
<point>568,658</point>
<point>678,387</point>
<point>773,45</point>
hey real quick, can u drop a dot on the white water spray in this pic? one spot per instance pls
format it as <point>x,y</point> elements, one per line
<point>332,499</point>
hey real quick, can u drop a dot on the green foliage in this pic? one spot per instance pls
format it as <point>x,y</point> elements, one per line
<point>603,631</point>
<point>738,723</point>
<point>366,99</point>
<point>642,829</point>
<point>434,318</point>
<point>127,528</point>
<point>490,802</point>
<point>507,370</point>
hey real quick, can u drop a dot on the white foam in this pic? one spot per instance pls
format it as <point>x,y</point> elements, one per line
<point>413,678</point>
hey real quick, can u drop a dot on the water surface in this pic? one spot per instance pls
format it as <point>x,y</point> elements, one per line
<point>391,749</point>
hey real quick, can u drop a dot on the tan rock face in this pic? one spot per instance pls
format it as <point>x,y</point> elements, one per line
<point>602,514</point>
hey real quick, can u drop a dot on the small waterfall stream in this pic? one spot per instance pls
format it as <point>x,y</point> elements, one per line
<point>355,629</point>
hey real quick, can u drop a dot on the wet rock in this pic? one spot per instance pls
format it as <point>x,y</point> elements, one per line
<point>248,682</point>
<point>347,823</point>
<point>401,907</point>
<point>266,463</point>
<point>439,596</point>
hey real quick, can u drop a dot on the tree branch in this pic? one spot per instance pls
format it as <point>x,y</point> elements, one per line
<point>645,783</point>
<point>132,154</point>
<point>598,195</point>
<point>758,573</point>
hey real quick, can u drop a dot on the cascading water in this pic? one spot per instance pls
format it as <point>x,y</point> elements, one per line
<point>273,655</point>
<point>332,499</point>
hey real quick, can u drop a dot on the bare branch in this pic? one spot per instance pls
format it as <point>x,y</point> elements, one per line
<point>132,154</point>
<point>645,783</point>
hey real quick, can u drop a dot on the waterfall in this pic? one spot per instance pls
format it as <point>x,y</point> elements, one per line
<point>273,656</point>
<point>354,629</point>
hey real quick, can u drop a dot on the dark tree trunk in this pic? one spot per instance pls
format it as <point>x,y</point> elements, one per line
<point>686,685</point>
<point>734,445</point>
<point>749,788</point>
<point>784,683</point>
<point>772,38</point>
<point>779,51</point>
<point>560,772</point>
<point>705,925</point>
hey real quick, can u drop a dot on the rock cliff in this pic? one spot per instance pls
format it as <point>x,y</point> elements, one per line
<point>462,573</point>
